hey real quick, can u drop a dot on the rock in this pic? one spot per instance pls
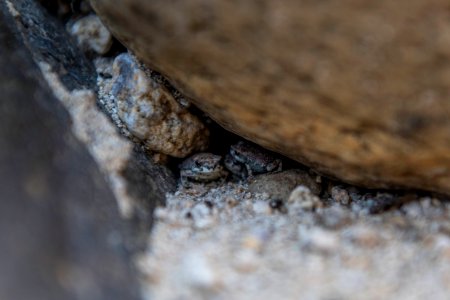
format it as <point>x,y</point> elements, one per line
<point>137,182</point>
<point>62,235</point>
<point>152,114</point>
<point>319,240</point>
<point>279,185</point>
<point>364,236</point>
<point>198,272</point>
<point>358,91</point>
<point>202,216</point>
<point>340,195</point>
<point>50,43</point>
<point>334,217</point>
<point>301,197</point>
<point>91,34</point>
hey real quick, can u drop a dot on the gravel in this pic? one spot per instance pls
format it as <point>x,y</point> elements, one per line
<point>227,243</point>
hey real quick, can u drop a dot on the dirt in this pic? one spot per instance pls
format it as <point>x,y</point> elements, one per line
<point>228,243</point>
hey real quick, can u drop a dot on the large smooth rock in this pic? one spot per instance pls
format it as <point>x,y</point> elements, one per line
<point>356,89</point>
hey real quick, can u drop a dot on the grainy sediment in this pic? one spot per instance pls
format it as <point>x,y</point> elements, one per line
<point>230,244</point>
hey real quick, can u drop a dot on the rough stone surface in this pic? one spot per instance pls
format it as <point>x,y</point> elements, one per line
<point>71,231</point>
<point>91,34</point>
<point>61,233</point>
<point>137,182</point>
<point>279,185</point>
<point>151,113</point>
<point>356,90</point>
<point>302,197</point>
<point>50,43</point>
<point>229,243</point>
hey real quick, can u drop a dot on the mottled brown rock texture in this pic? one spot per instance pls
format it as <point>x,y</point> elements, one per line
<point>151,113</point>
<point>356,89</point>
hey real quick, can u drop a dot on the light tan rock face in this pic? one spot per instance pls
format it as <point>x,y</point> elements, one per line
<point>359,90</point>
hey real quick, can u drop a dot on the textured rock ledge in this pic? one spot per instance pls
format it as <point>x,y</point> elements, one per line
<point>79,197</point>
<point>62,235</point>
<point>360,93</point>
<point>73,80</point>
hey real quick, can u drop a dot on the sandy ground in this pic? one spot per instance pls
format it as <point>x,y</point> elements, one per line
<point>226,243</point>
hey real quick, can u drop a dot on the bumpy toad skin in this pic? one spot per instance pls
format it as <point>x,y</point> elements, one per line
<point>246,159</point>
<point>202,168</point>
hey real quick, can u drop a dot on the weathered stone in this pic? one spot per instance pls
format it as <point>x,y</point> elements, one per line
<point>91,34</point>
<point>51,44</point>
<point>356,90</point>
<point>151,113</point>
<point>62,235</point>
<point>301,197</point>
<point>279,185</point>
<point>137,182</point>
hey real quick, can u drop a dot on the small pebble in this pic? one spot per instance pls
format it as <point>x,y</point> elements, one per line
<point>160,213</point>
<point>364,236</point>
<point>198,272</point>
<point>301,197</point>
<point>442,244</point>
<point>261,207</point>
<point>252,242</point>
<point>265,196</point>
<point>413,209</point>
<point>340,195</point>
<point>92,35</point>
<point>334,217</point>
<point>319,239</point>
<point>231,202</point>
<point>202,216</point>
<point>246,260</point>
